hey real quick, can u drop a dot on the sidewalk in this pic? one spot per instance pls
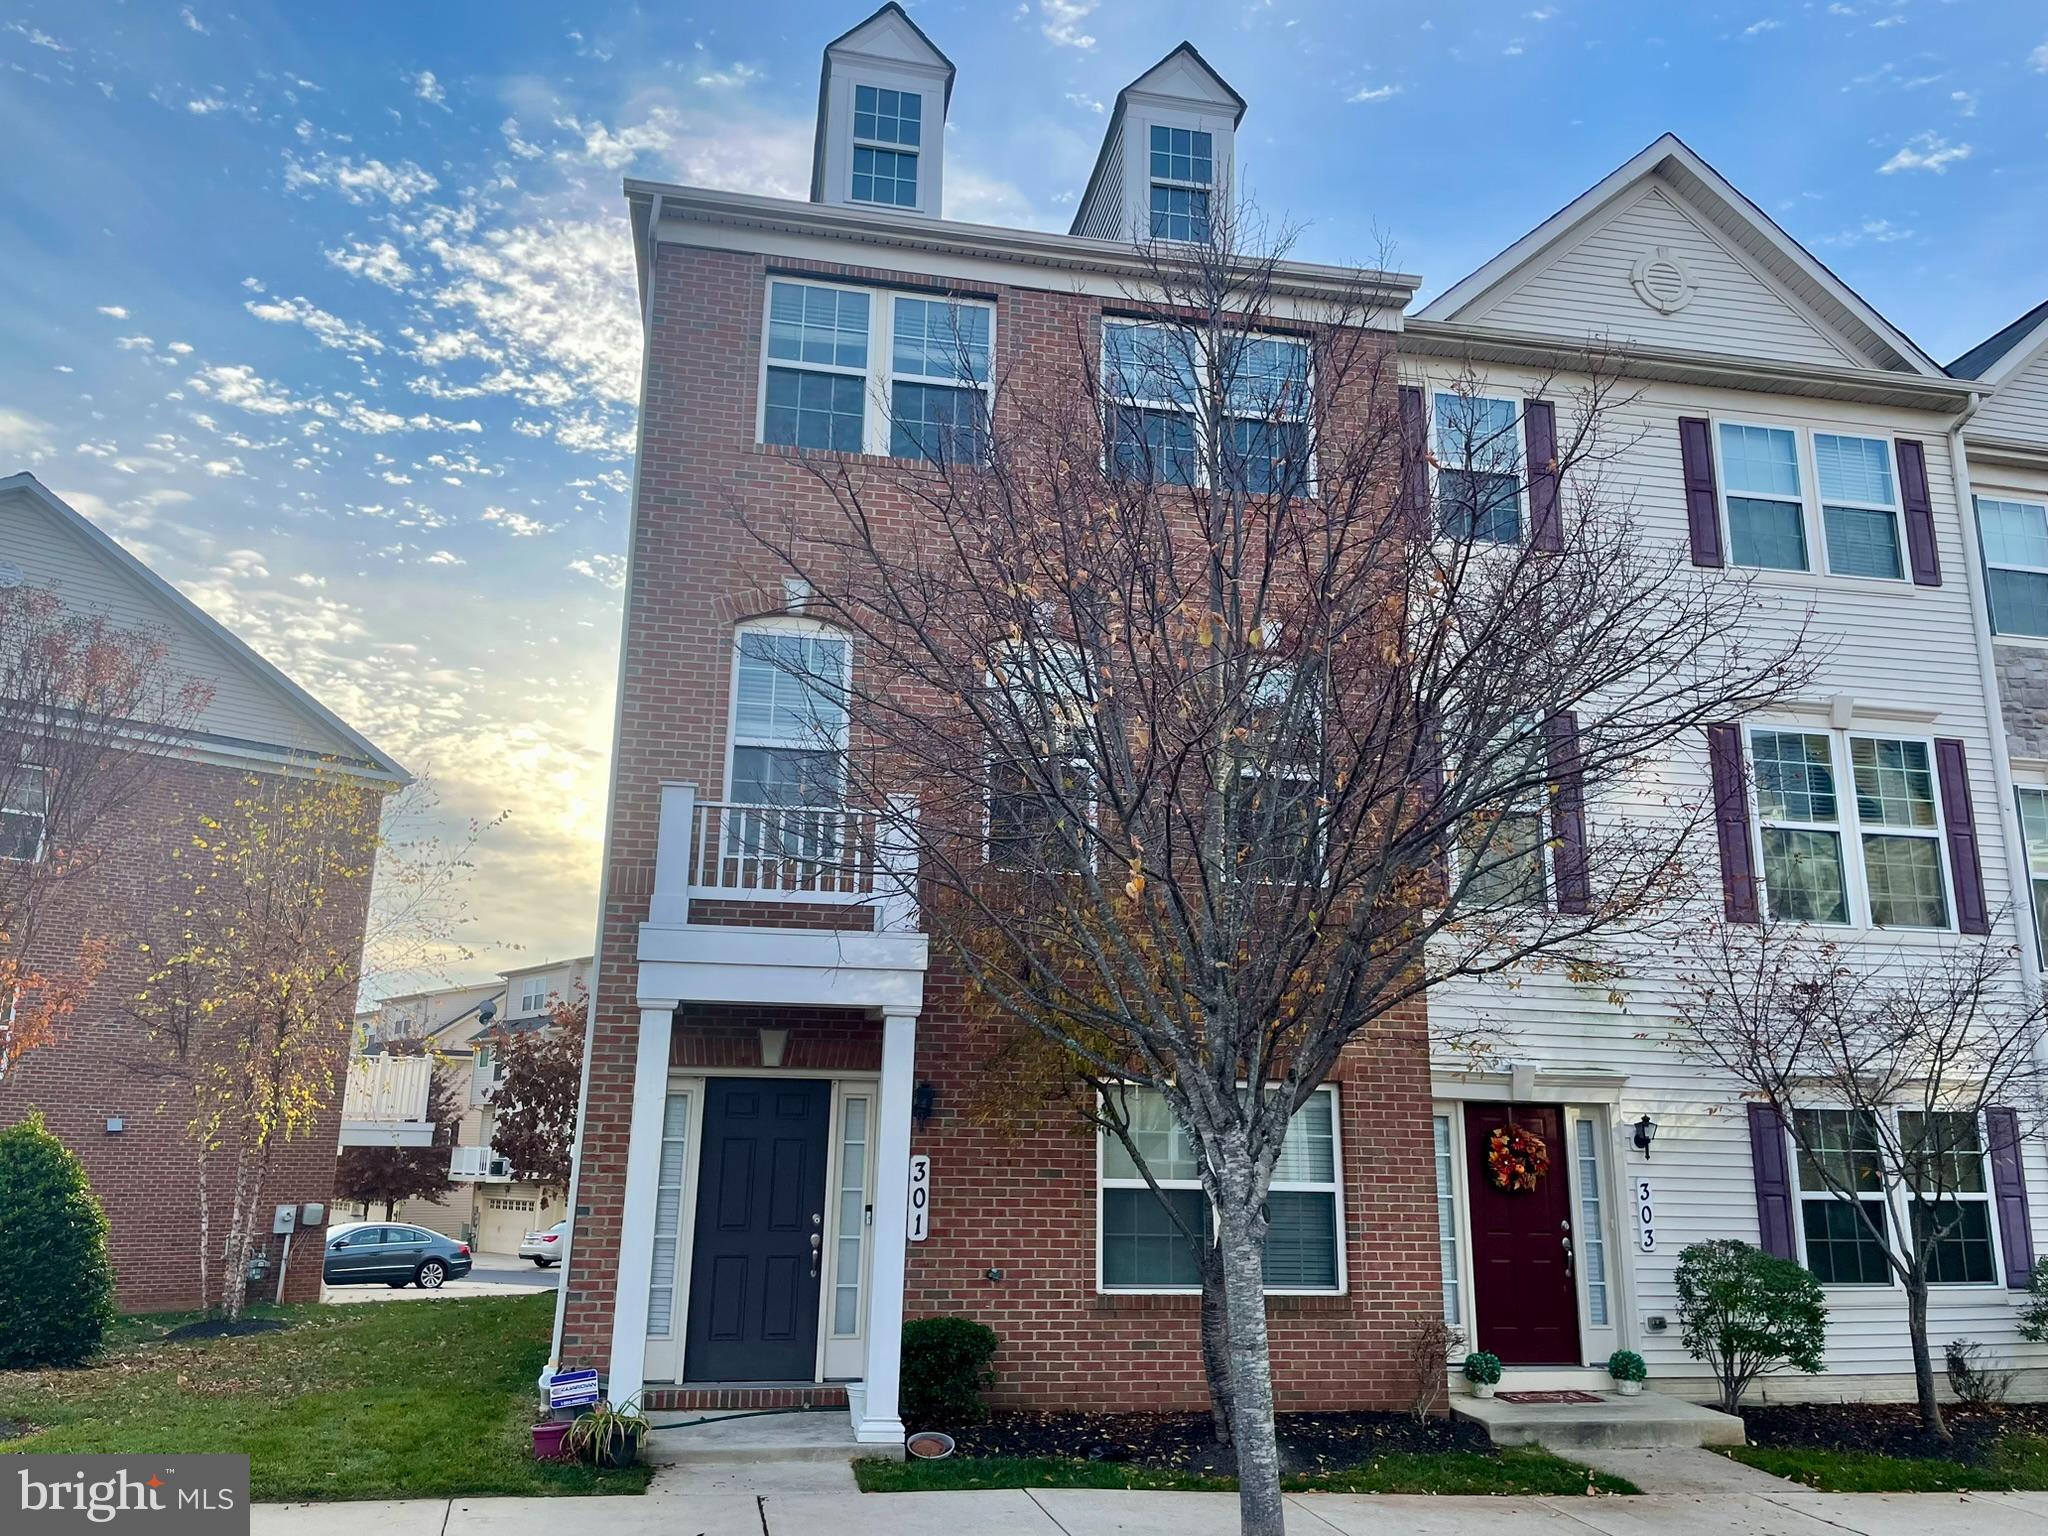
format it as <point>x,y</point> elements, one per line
<point>676,1505</point>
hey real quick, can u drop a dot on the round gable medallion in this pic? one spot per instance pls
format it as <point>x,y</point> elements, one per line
<point>1663,281</point>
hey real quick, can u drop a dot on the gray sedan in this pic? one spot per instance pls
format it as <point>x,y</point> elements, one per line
<point>365,1253</point>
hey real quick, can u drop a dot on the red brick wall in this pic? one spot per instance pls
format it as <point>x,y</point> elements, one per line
<point>98,1067</point>
<point>1025,1203</point>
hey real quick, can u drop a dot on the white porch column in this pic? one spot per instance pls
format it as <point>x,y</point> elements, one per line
<point>878,1421</point>
<point>628,1363</point>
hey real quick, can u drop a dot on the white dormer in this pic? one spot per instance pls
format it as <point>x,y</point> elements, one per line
<point>1168,155</point>
<point>882,118</point>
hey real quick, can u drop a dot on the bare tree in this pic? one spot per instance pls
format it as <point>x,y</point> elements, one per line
<point>1226,718</point>
<point>1898,1076</point>
<point>88,714</point>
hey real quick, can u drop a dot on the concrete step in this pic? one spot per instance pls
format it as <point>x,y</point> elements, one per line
<point>819,1435</point>
<point>1643,1422</point>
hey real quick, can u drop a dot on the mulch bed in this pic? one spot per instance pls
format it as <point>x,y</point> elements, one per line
<point>227,1328</point>
<point>1181,1442</point>
<point>1892,1429</point>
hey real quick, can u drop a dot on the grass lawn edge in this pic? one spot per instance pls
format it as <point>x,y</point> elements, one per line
<point>2021,1468</point>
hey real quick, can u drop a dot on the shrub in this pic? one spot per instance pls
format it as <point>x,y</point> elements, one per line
<point>1482,1369</point>
<point>1430,1344</point>
<point>1743,1313</point>
<point>1972,1376</point>
<point>1627,1365</point>
<point>2034,1315</point>
<point>56,1287</point>
<point>946,1368</point>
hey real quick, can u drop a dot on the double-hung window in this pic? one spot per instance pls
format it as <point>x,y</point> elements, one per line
<point>2015,535</point>
<point>1154,378</point>
<point>1500,848</point>
<point>533,996</point>
<point>1760,486</point>
<point>24,814</point>
<point>1859,505</point>
<point>1948,1191</point>
<point>1150,373</point>
<point>789,716</point>
<point>2034,828</point>
<point>1143,1250</point>
<point>1479,468</point>
<point>1279,813</point>
<point>1266,403</point>
<point>1842,1197</point>
<point>887,131</point>
<point>854,370</point>
<point>1183,167</point>
<point>1040,783</point>
<point>1893,863</point>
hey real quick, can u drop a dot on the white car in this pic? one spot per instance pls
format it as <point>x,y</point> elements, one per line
<point>546,1248</point>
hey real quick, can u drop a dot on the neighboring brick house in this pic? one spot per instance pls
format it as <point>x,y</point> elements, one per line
<point>720,1004</point>
<point>92,1083</point>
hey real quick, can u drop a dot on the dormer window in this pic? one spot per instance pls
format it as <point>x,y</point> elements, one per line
<point>887,131</point>
<point>1183,172</point>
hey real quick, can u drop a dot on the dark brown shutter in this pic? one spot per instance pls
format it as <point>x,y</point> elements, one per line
<point>1539,440</point>
<point>1414,463</point>
<point>1952,773</point>
<point>2009,1189</point>
<point>1922,557</point>
<point>1771,1172</point>
<point>1567,813</point>
<point>1731,823</point>
<point>1702,507</point>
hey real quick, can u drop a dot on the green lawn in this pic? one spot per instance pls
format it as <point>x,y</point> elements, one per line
<point>374,1400</point>
<point>2019,1463</point>
<point>1524,1470</point>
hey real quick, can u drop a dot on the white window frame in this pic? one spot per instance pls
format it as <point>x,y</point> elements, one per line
<point>1192,409</point>
<point>2037,871</point>
<point>1849,825</point>
<point>1541,804</point>
<point>1449,1162</point>
<point>1073,656</point>
<point>1898,1201</point>
<point>30,773</point>
<point>878,375</point>
<point>855,143</point>
<point>1441,458</point>
<point>843,1354</point>
<point>1813,519</point>
<point>533,996</point>
<point>1334,1188</point>
<point>1208,188</point>
<point>892,377</point>
<point>2026,501</point>
<point>783,624</point>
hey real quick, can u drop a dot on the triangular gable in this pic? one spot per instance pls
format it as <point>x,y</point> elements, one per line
<point>890,34</point>
<point>255,706</point>
<point>2012,367</point>
<point>1184,75</point>
<point>1666,252</point>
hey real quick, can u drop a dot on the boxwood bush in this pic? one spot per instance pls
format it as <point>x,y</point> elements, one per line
<point>947,1365</point>
<point>56,1286</point>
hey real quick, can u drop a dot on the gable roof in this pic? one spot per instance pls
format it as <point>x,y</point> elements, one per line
<point>1752,230</point>
<point>1111,134</point>
<point>2005,350</point>
<point>891,11</point>
<point>367,762</point>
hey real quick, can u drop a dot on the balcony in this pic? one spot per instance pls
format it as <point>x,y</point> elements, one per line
<point>479,1165</point>
<point>385,1104</point>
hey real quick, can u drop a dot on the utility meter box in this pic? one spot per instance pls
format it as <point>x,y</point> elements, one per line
<point>285,1219</point>
<point>312,1213</point>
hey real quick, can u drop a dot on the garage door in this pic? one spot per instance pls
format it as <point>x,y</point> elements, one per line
<point>505,1220</point>
<point>447,1217</point>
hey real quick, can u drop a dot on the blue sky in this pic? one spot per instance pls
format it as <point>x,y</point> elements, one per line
<point>327,310</point>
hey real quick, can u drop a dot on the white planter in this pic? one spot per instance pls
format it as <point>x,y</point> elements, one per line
<point>1628,1388</point>
<point>1481,1388</point>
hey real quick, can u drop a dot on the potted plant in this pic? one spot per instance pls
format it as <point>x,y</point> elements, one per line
<point>1628,1370</point>
<point>548,1438</point>
<point>1483,1372</point>
<point>608,1436</point>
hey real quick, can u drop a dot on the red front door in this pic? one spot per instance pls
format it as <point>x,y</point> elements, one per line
<point>1524,1295</point>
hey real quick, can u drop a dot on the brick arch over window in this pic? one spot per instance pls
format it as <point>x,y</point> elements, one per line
<point>766,600</point>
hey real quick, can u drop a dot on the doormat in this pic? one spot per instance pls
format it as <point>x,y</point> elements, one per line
<point>1550,1397</point>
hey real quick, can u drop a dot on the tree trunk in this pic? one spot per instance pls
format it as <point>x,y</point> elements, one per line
<point>1931,1418</point>
<point>1216,1347</point>
<point>205,1236</point>
<point>390,1213</point>
<point>1260,1511</point>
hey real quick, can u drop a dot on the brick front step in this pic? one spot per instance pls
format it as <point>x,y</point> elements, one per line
<point>744,1394</point>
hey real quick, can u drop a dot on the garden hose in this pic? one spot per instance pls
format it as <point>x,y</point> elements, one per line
<point>754,1413</point>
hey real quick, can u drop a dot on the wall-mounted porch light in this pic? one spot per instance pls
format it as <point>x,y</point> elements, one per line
<point>1646,1132</point>
<point>924,1100</point>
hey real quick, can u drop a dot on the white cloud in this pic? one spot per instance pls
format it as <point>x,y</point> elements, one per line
<point>1874,231</point>
<point>23,438</point>
<point>605,570</point>
<point>1542,13</point>
<point>1966,102</point>
<point>428,89</point>
<point>445,557</point>
<point>1374,93</point>
<point>114,311</point>
<point>206,106</point>
<point>1889,21</point>
<point>1061,22</point>
<point>732,77</point>
<point>1085,102</point>
<point>360,182</point>
<point>1768,24</point>
<point>38,37</point>
<point>1925,152</point>
<point>1514,49</point>
<point>380,263</point>
<point>191,21</point>
<point>518,524</point>
<point>977,199</point>
<point>2038,59</point>
<point>329,330</point>
<point>239,385</point>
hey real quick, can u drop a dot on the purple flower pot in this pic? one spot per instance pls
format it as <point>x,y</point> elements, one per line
<point>547,1441</point>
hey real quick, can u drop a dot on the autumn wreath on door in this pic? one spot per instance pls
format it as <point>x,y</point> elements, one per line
<point>1516,1158</point>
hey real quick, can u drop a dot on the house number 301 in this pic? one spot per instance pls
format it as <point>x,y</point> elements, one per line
<point>920,1198</point>
<point>1646,1217</point>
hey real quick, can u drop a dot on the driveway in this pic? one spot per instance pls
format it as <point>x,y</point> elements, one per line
<point>495,1274</point>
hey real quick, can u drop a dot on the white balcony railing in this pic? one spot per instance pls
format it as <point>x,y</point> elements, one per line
<point>712,850</point>
<point>479,1164</point>
<point>385,1102</point>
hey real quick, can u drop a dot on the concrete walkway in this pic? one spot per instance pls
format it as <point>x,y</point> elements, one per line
<point>799,1500</point>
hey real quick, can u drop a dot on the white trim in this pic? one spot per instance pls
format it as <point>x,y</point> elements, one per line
<point>2024,501</point>
<point>835,1348</point>
<point>627,1371</point>
<point>876,1420</point>
<point>665,1355</point>
<point>1441,459</point>
<point>1820,564</point>
<point>1193,408</point>
<point>787,624</point>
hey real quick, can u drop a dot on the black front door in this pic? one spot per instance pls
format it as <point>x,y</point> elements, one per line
<point>760,1231</point>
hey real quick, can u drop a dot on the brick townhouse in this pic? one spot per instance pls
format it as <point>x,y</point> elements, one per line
<point>1776,425</point>
<point>93,1085</point>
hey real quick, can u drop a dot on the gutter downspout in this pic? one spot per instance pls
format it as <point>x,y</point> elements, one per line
<point>611,808</point>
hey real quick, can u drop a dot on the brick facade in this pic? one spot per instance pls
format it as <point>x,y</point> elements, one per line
<point>98,1066</point>
<point>1021,1197</point>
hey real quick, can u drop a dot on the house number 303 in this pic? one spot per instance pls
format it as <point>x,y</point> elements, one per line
<point>1646,1217</point>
